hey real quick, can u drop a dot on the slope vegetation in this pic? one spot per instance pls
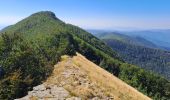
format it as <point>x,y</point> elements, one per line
<point>138,52</point>
<point>77,77</point>
<point>30,48</point>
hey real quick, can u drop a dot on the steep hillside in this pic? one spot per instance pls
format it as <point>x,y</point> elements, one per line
<point>30,48</point>
<point>46,23</point>
<point>77,77</point>
<point>133,51</point>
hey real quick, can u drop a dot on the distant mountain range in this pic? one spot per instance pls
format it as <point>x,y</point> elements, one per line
<point>138,41</point>
<point>158,37</point>
<point>139,51</point>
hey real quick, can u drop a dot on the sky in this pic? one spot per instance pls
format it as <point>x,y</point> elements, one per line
<point>93,14</point>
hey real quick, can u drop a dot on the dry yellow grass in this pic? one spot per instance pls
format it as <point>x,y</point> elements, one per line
<point>84,79</point>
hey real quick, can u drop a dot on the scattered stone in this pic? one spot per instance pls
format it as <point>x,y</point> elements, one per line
<point>71,78</point>
<point>59,92</point>
<point>39,88</point>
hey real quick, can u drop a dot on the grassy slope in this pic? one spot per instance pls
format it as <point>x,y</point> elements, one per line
<point>109,84</point>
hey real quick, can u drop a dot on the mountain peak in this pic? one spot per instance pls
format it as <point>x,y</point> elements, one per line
<point>42,18</point>
<point>46,14</point>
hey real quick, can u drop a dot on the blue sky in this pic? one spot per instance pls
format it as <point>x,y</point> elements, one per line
<point>93,14</point>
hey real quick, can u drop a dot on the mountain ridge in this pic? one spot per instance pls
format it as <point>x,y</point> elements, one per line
<point>82,79</point>
<point>44,17</point>
<point>158,37</point>
<point>127,39</point>
<point>30,48</point>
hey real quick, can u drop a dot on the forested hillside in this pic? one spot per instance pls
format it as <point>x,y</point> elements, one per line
<point>159,37</point>
<point>30,48</point>
<point>139,41</point>
<point>144,55</point>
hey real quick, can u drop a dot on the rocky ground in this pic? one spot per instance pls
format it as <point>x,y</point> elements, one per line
<point>77,78</point>
<point>68,82</point>
<point>49,92</point>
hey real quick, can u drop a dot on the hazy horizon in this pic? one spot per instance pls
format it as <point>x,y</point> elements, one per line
<point>92,14</point>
